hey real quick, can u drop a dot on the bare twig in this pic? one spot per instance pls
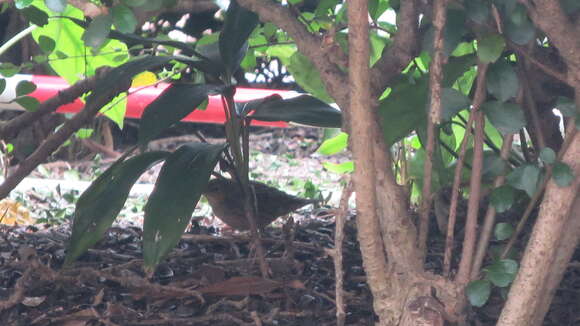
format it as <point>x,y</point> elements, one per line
<point>475,182</point>
<point>489,220</point>
<point>337,253</point>
<point>54,141</point>
<point>433,118</point>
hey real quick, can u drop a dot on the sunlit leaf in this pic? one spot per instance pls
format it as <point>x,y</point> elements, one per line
<point>341,168</point>
<point>334,145</point>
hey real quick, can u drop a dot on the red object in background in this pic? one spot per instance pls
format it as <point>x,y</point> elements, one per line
<point>48,86</point>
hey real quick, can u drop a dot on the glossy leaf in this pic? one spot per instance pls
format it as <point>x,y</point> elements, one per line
<point>503,231</point>
<point>334,145</point>
<point>174,104</point>
<point>25,87</point>
<point>508,118</point>
<point>525,177</point>
<point>502,81</point>
<point>98,31</point>
<point>99,205</point>
<point>124,18</point>
<point>502,198</point>
<point>478,292</point>
<point>182,179</point>
<point>562,174</point>
<point>238,26</point>
<point>490,48</point>
<point>502,272</point>
<point>303,109</point>
<point>56,5</point>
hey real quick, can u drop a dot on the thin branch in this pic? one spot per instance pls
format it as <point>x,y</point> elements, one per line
<point>10,128</point>
<point>475,182</point>
<point>489,220</point>
<point>433,118</point>
<point>54,141</point>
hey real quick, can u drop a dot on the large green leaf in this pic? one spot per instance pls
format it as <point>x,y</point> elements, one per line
<point>404,109</point>
<point>502,81</point>
<point>501,273</point>
<point>307,76</point>
<point>98,31</point>
<point>174,104</point>
<point>99,205</point>
<point>179,186</point>
<point>508,118</point>
<point>238,26</point>
<point>71,59</point>
<point>303,109</point>
<point>525,177</point>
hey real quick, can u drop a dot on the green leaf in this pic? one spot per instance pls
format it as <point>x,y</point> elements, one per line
<point>377,8</point>
<point>303,109</point>
<point>182,179</point>
<point>21,4</point>
<point>8,69</point>
<point>46,44</point>
<point>238,26</point>
<point>502,272</point>
<point>478,11</point>
<point>547,155</point>
<point>25,87</point>
<point>452,101</point>
<point>478,292</point>
<point>27,102</point>
<point>174,104</point>
<point>502,198</point>
<point>502,81</point>
<point>99,205</point>
<point>56,5</point>
<point>341,168</point>
<point>521,33</point>
<point>452,34</point>
<point>84,133</point>
<point>503,231</point>
<point>508,118</point>
<point>124,18</point>
<point>334,145</point>
<point>490,48</point>
<point>562,174</point>
<point>98,31</point>
<point>307,76</point>
<point>35,15</point>
<point>2,85</point>
<point>525,178</point>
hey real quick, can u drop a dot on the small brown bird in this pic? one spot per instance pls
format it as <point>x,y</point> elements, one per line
<point>226,200</point>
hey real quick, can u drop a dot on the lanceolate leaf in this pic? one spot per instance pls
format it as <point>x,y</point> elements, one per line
<point>238,26</point>
<point>303,109</point>
<point>100,204</point>
<point>181,181</point>
<point>171,106</point>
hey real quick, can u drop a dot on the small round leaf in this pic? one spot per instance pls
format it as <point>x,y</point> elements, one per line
<point>503,231</point>
<point>25,87</point>
<point>46,44</point>
<point>478,292</point>
<point>29,103</point>
<point>547,155</point>
<point>490,48</point>
<point>562,174</point>
<point>502,198</point>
